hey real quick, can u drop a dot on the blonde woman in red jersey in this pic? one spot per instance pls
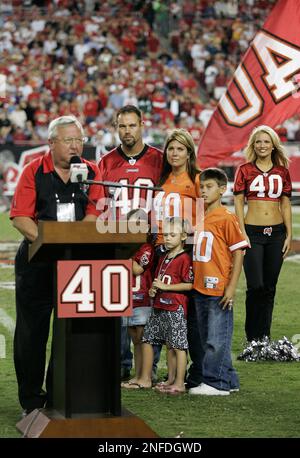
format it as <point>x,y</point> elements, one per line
<point>265,182</point>
<point>179,180</point>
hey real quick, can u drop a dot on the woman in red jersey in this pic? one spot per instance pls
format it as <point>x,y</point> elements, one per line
<point>265,182</point>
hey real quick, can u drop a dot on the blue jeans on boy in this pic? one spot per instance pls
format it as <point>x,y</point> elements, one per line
<point>210,347</point>
<point>194,376</point>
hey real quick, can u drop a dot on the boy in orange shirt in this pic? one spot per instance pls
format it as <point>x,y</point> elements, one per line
<point>217,263</point>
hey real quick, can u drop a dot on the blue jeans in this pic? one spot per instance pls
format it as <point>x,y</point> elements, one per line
<point>209,334</point>
<point>126,354</point>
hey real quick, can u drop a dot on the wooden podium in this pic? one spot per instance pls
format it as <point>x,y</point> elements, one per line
<point>85,351</point>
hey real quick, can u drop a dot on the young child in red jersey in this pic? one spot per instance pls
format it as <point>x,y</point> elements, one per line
<point>167,323</point>
<point>217,264</point>
<point>142,263</point>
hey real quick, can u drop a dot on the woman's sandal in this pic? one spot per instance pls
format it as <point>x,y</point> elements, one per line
<point>136,386</point>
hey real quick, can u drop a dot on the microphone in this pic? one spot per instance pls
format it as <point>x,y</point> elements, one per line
<point>79,174</point>
<point>78,170</point>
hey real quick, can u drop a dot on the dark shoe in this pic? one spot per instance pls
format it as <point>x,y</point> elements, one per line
<point>125,374</point>
<point>48,405</point>
<point>189,384</point>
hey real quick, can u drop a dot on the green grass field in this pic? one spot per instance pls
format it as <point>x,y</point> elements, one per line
<point>7,232</point>
<point>296,225</point>
<point>267,405</point>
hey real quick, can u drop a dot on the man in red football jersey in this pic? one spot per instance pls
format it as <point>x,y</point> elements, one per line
<point>136,163</point>
<point>132,162</point>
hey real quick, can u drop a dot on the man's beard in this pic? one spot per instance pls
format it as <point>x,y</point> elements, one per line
<point>129,142</point>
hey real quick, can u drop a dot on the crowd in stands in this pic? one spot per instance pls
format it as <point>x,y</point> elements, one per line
<point>173,59</point>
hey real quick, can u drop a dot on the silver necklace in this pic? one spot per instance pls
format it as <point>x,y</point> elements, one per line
<point>161,272</point>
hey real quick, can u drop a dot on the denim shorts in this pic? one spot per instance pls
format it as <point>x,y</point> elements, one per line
<point>139,318</point>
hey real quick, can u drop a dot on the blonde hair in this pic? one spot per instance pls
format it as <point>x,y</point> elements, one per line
<point>279,155</point>
<point>182,223</point>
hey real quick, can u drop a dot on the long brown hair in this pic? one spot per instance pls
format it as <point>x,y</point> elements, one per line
<point>279,156</point>
<point>185,138</point>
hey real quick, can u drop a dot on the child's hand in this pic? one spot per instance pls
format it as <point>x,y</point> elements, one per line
<point>158,284</point>
<point>227,300</point>
<point>152,292</point>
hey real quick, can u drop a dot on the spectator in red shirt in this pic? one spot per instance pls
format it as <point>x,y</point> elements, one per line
<point>91,108</point>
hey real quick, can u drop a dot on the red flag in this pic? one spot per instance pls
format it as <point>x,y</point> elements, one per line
<point>263,89</point>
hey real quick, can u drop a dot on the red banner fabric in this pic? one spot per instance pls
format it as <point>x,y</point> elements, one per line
<point>264,88</point>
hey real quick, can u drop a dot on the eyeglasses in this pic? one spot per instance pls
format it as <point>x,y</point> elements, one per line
<point>69,140</point>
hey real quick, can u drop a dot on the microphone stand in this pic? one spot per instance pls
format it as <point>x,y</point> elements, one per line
<point>115,185</point>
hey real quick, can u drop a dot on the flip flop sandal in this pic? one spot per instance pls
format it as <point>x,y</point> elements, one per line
<point>137,386</point>
<point>125,384</point>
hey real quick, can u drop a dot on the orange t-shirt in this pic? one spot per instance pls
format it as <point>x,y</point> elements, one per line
<point>178,198</point>
<point>212,251</point>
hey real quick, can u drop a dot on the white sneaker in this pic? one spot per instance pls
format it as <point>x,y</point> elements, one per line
<point>195,389</point>
<point>234,390</point>
<point>208,390</point>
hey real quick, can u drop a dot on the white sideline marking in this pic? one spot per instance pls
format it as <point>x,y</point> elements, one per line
<point>7,321</point>
<point>7,284</point>
<point>2,347</point>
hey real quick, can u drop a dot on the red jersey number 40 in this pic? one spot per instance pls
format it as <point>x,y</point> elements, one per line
<point>94,288</point>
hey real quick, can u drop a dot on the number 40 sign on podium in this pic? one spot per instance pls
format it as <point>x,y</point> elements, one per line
<point>94,288</point>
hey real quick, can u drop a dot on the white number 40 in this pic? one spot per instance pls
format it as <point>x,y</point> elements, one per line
<point>79,289</point>
<point>258,186</point>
